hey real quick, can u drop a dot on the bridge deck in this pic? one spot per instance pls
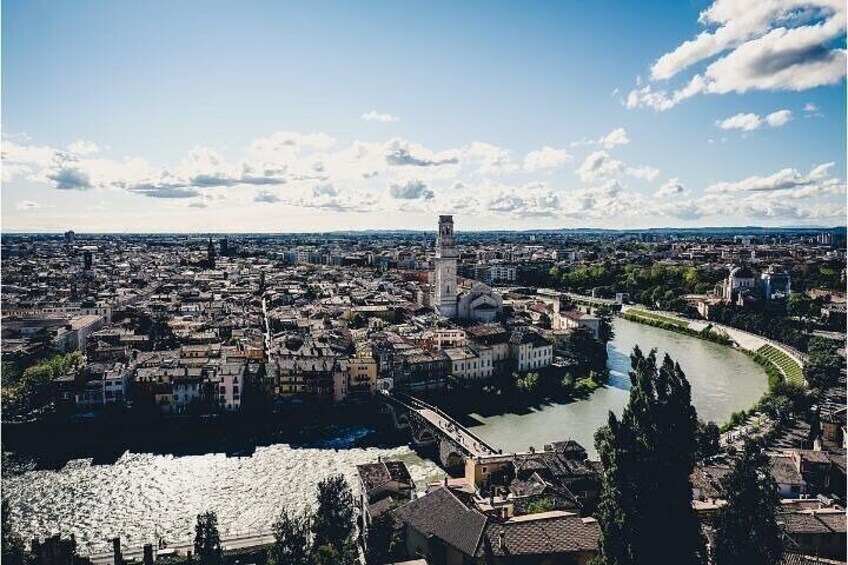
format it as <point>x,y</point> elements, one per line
<point>446,425</point>
<point>474,445</point>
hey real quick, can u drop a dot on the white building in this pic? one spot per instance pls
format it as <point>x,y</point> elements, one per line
<point>471,362</point>
<point>530,351</point>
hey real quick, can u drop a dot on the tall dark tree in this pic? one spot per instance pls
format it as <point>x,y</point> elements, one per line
<point>385,540</point>
<point>13,545</point>
<point>708,439</point>
<point>645,511</point>
<point>291,539</point>
<point>207,540</point>
<point>333,523</point>
<point>746,529</point>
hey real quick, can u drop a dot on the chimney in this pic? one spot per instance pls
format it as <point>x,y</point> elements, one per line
<point>446,480</point>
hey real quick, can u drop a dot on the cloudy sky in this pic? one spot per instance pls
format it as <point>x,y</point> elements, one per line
<point>309,116</point>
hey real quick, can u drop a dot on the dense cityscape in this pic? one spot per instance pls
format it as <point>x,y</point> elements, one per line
<point>233,342</point>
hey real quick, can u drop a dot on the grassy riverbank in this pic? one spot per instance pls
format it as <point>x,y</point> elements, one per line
<point>786,394</point>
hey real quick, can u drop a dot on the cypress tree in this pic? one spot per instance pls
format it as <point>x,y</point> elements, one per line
<point>207,540</point>
<point>645,512</point>
<point>333,524</point>
<point>746,528</point>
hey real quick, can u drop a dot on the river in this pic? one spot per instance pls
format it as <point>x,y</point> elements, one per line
<point>142,496</point>
<point>723,381</point>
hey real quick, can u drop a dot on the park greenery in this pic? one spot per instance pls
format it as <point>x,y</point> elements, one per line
<point>654,284</point>
<point>659,285</point>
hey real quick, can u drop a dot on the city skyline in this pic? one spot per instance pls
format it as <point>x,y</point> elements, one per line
<point>282,118</point>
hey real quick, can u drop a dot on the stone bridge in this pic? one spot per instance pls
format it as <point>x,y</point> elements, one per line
<point>430,426</point>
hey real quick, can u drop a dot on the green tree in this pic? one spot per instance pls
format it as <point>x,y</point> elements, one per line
<point>746,529</point>
<point>334,520</point>
<point>385,541</point>
<point>327,555</point>
<point>708,436</point>
<point>291,539</point>
<point>799,304</point>
<point>14,552</point>
<point>207,540</point>
<point>645,512</point>
<point>540,505</point>
<point>822,369</point>
<point>527,383</point>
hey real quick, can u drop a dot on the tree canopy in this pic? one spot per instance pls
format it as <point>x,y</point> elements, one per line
<point>207,540</point>
<point>746,529</point>
<point>645,512</point>
<point>333,524</point>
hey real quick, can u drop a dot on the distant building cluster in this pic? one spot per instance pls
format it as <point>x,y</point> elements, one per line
<point>188,324</point>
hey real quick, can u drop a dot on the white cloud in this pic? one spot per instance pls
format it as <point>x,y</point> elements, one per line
<point>785,179</point>
<point>821,171</point>
<point>617,136</point>
<point>531,200</point>
<point>545,158</point>
<point>599,165</point>
<point>490,159</point>
<point>374,116</point>
<point>768,45</point>
<point>645,172</point>
<point>266,196</point>
<point>284,143</point>
<point>411,190</point>
<point>310,171</point>
<point>82,147</point>
<point>779,118</point>
<point>672,187</point>
<point>750,121</point>
<point>745,122</point>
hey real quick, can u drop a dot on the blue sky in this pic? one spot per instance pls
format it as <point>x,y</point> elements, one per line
<point>276,116</point>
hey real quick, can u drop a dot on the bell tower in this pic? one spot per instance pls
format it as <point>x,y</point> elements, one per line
<point>445,275</point>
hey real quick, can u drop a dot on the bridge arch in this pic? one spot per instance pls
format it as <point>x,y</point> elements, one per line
<point>450,456</point>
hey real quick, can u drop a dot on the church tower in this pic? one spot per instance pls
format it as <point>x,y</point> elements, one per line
<point>445,275</point>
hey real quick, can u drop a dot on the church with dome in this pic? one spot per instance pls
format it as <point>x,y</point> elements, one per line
<point>476,302</point>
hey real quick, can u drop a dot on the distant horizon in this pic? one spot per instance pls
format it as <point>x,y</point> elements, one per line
<point>709,229</point>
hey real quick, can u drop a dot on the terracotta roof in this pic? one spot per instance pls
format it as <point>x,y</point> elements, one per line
<point>824,522</point>
<point>784,471</point>
<point>545,535</point>
<point>440,513</point>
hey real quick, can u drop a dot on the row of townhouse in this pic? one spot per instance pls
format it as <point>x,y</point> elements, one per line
<point>310,356</point>
<point>188,384</point>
